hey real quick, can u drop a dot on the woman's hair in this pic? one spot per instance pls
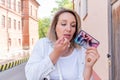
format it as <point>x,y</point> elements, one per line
<point>52,33</point>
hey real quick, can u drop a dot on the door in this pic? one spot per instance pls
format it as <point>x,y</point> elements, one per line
<point>115,42</point>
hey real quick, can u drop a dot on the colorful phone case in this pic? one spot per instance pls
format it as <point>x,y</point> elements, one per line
<point>86,40</point>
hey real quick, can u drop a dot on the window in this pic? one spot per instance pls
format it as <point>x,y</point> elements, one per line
<point>15,5</point>
<point>3,21</point>
<point>84,9</point>
<point>19,7</point>
<point>9,41</point>
<point>9,3</point>
<point>32,41</point>
<point>3,2</point>
<point>31,11</point>
<point>19,25</point>
<point>14,24</point>
<point>35,13</point>
<point>9,22</point>
<point>19,41</point>
<point>23,21</point>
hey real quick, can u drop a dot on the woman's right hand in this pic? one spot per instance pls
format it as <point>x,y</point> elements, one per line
<point>60,46</point>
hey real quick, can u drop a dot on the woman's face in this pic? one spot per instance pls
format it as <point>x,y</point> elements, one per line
<point>66,26</point>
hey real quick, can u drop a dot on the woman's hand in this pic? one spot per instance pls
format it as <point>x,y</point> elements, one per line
<point>60,46</point>
<point>92,56</point>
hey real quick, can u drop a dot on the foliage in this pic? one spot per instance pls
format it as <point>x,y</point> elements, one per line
<point>63,4</point>
<point>43,25</point>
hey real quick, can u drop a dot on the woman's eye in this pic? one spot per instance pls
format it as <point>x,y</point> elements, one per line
<point>73,25</point>
<point>63,24</point>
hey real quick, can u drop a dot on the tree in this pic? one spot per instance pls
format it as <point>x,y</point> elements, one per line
<point>43,25</point>
<point>63,4</point>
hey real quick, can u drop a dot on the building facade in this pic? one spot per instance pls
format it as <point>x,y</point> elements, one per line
<point>18,24</point>
<point>94,20</point>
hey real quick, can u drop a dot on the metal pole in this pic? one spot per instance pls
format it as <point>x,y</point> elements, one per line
<point>111,44</point>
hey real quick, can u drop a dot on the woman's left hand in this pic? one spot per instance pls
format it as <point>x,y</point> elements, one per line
<point>92,56</point>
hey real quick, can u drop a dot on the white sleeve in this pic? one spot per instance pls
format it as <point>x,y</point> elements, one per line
<point>38,65</point>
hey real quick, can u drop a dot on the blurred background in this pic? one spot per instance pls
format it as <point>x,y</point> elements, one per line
<point>23,22</point>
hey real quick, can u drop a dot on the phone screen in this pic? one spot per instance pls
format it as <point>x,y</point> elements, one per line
<point>86,40</point>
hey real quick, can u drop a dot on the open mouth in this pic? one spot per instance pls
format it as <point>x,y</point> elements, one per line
<point>68,36</point>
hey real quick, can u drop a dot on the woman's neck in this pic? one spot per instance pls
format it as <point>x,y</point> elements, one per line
<point>68,51</point>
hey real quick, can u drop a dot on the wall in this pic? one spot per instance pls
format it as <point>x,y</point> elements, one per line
<point>96,24</point>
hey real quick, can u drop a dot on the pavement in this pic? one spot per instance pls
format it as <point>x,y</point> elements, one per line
<point>15,73</point>
<point>7,63</point>
<point>6,58</point>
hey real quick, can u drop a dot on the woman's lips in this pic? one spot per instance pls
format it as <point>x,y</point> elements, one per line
<point>68,36</point>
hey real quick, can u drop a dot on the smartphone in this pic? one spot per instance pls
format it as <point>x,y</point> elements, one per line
<point>86,40</point>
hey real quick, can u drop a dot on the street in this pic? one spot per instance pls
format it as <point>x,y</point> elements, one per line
<point>15,73</point>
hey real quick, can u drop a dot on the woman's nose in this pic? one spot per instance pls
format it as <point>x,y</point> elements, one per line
<point>68,28</point>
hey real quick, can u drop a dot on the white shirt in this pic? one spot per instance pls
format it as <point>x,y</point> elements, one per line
<point>68,67</point>
<point>40,65</point>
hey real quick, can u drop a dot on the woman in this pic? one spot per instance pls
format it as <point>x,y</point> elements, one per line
<point>57,57</point>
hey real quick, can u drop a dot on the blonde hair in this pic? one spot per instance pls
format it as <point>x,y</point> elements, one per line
<point>52,33</point>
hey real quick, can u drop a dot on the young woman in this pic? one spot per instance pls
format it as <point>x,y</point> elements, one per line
<point>57,57</point>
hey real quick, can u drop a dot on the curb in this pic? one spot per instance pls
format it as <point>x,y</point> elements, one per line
<point>9,65</point>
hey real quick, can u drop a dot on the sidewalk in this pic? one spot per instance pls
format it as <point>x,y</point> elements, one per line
<point>13,61</point>
<point>12,57</point>
<point>4,61</point>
